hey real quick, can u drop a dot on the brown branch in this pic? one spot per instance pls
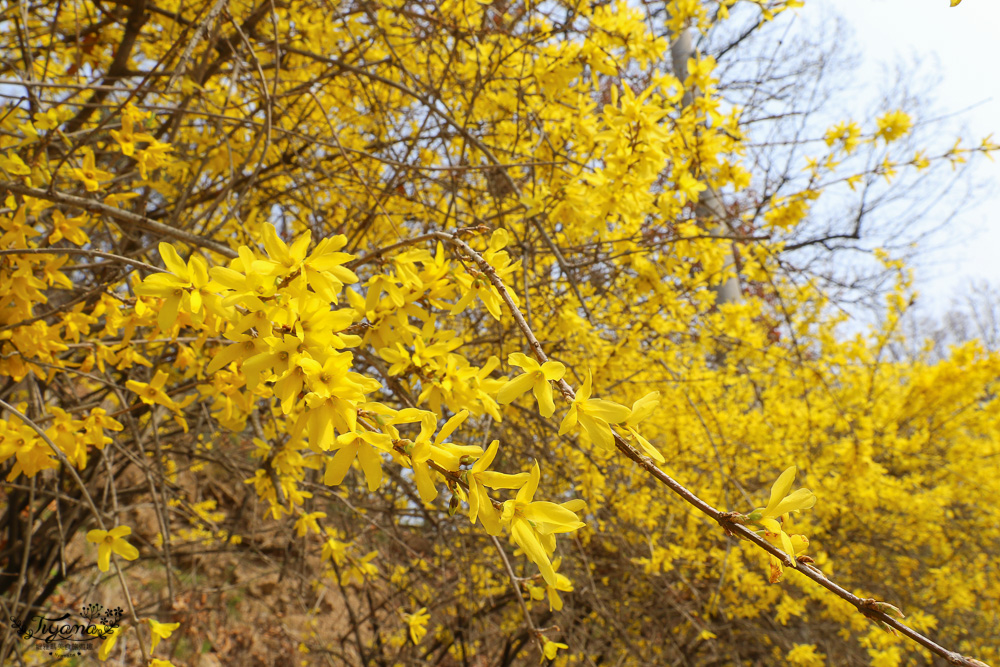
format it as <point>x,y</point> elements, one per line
<point>82,251</point>
<point>120,215</point>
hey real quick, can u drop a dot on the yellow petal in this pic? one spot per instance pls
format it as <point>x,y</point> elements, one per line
<point>770,525</point>
<point>371,465</point>
<point>525,538</point>
<point>168,312</point>
<point>527,492</point>
<point>779,490</point>
<point>576,505</point>
<point>553,370</point>
<point>569,421</point>
<point>583,393</point>
<point>120,531</point>
<point>125,550</point>
<point>801,499</point>
<point>425,485</point>
<point>486,459</point>
<point>609,411</point>
<point>599,431</point>
<point>556,515</point>
<point>487,513</point>
<point>786,546</point>
<point>450,426</point>
<point>103,556</point>
<point>543,394</point>
<point>96,536</point>
<point>499,240</point>
<point>651,451</point>
<point>474,497</point>
<point>499,480</point>
<point>172,260</point>
<point>644,407</point>
<point>522,360</point>
<point>516,387</point>
<point>340,464</point>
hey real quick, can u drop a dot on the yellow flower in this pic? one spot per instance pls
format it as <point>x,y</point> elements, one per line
<point>68,228</point>
<point>893,125</point>
<point>153,157</point>
<point>479,477</point>
<point>308,522</point>
<point>642,409</point>
<point>533,524</point>
<point>849,133</point>
<point>13,164</point>
<point>127,137</point>
<point>563,583</point>
<point>780,503</point>
<point>110,635</point>
<point>323,268</point>
<point>160,631</point>
<point>334,549</point>
<point>425,449</point>
<point>363,446</point>
<point>478,284</point>
<point>595,415</point>
<point>152,393</point>
<point>535,377</point>
<point>112,540</point>
<point>360,570</point>
<point>799,543</point>
<point>184,283</point>
<point>418,624</point>
<point>805,655</point>
<point>551,648</point>
<point>89,174</point>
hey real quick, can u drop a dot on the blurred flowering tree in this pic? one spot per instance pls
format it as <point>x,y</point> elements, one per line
<point>472,323</point>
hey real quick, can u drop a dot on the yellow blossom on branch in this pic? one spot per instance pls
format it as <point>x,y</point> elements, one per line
<point>780,503</point>
<point>595,415</point>
<point>89,174</point>
<point>417,622</point>
<point>363,446</point>
<point>479,477</point>
<point>152,393</point>
<point>112,541</point>
<point>536,378</point>
<point>308,522</point>
<point>893,125</point>
<point>798,545</point>
<point>534,523</point>
<point>642,409</point>
<point>160,631</point>
<point>14,165</point>
<point>127,136</point>
<point>426,449</point>
<point>550,648</point>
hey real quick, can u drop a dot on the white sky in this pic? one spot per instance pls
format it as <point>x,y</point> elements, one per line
<point>966,44</point>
